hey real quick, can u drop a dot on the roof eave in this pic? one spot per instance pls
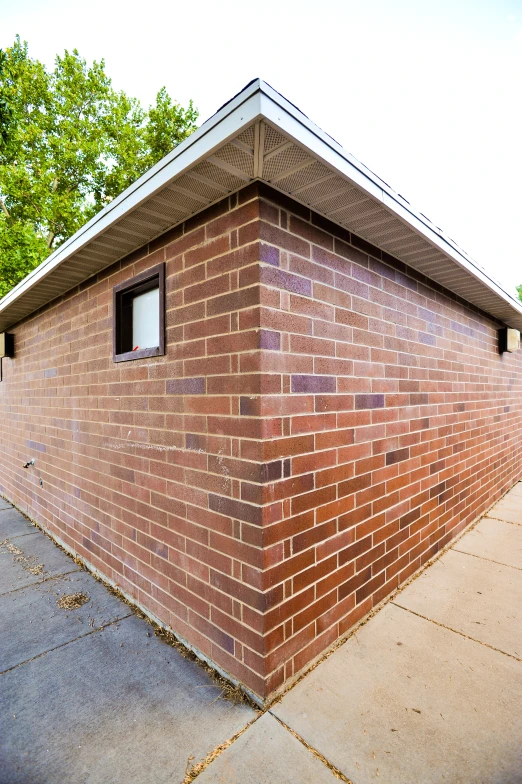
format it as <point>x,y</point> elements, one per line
<point>226,123</point>
<point>255,102</point>
<point>306,133</point>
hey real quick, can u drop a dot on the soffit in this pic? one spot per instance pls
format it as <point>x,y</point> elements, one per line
<point>259,135</point>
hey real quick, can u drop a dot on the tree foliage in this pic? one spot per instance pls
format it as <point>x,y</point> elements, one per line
<point>69,143</point>
<point>519,290</point>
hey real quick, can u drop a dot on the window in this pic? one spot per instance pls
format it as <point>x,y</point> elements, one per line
<point>139,316</point>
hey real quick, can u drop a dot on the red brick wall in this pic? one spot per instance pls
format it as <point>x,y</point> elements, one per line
<point>324,421</point>
<point>401,421</point>
<point>138,459</point>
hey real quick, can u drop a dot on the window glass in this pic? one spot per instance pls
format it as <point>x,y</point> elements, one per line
<point>145,320</point>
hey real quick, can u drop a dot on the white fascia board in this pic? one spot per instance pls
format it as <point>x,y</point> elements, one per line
<point>279,112</point>
<point>257,101</point>
<point>239,113</point>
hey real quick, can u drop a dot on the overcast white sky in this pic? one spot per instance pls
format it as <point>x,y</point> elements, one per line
<point>427,94</point>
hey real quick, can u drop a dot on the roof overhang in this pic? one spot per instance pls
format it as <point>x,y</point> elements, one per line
<point>259,135</point>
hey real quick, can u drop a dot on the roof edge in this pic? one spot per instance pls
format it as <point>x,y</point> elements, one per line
<point>145,186</point>
<point>258,100</point>
<point>379,189</point>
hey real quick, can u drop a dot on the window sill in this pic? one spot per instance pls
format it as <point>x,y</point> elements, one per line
<point>141,353</point>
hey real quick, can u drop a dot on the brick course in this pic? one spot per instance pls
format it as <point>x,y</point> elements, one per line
<point>323,422</point>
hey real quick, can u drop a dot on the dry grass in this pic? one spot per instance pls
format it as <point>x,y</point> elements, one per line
<point>27,562</point>
<point>227,690</point>
<point>338,774</point>
<point>71,601</point>
<point>192,771</point>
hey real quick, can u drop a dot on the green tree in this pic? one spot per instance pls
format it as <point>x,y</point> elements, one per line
<point>519,289</point>
<point>69,143</point>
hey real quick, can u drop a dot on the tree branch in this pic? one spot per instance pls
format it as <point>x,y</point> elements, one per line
<point>4,208</point>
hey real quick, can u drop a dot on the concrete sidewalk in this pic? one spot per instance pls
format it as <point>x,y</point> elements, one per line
<point>91,694</point>
<point>429,690</point>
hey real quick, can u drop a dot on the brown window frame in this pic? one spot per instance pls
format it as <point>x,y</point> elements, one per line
<point>122,296</point>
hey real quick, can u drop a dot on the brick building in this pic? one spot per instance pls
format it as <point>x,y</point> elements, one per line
<point>260,391</point>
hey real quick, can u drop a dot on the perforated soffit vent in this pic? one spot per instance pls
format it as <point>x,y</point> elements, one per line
<point>259,135</point>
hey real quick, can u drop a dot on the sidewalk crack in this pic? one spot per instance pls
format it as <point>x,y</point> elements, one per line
<point>40,582</point>
<point>456,631</point>
<point>490,516</point>
<point>63,644</point>
<point>192,771</point>
<point>20,536</point>
<point>317,754</point>
<point>490,560</point>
